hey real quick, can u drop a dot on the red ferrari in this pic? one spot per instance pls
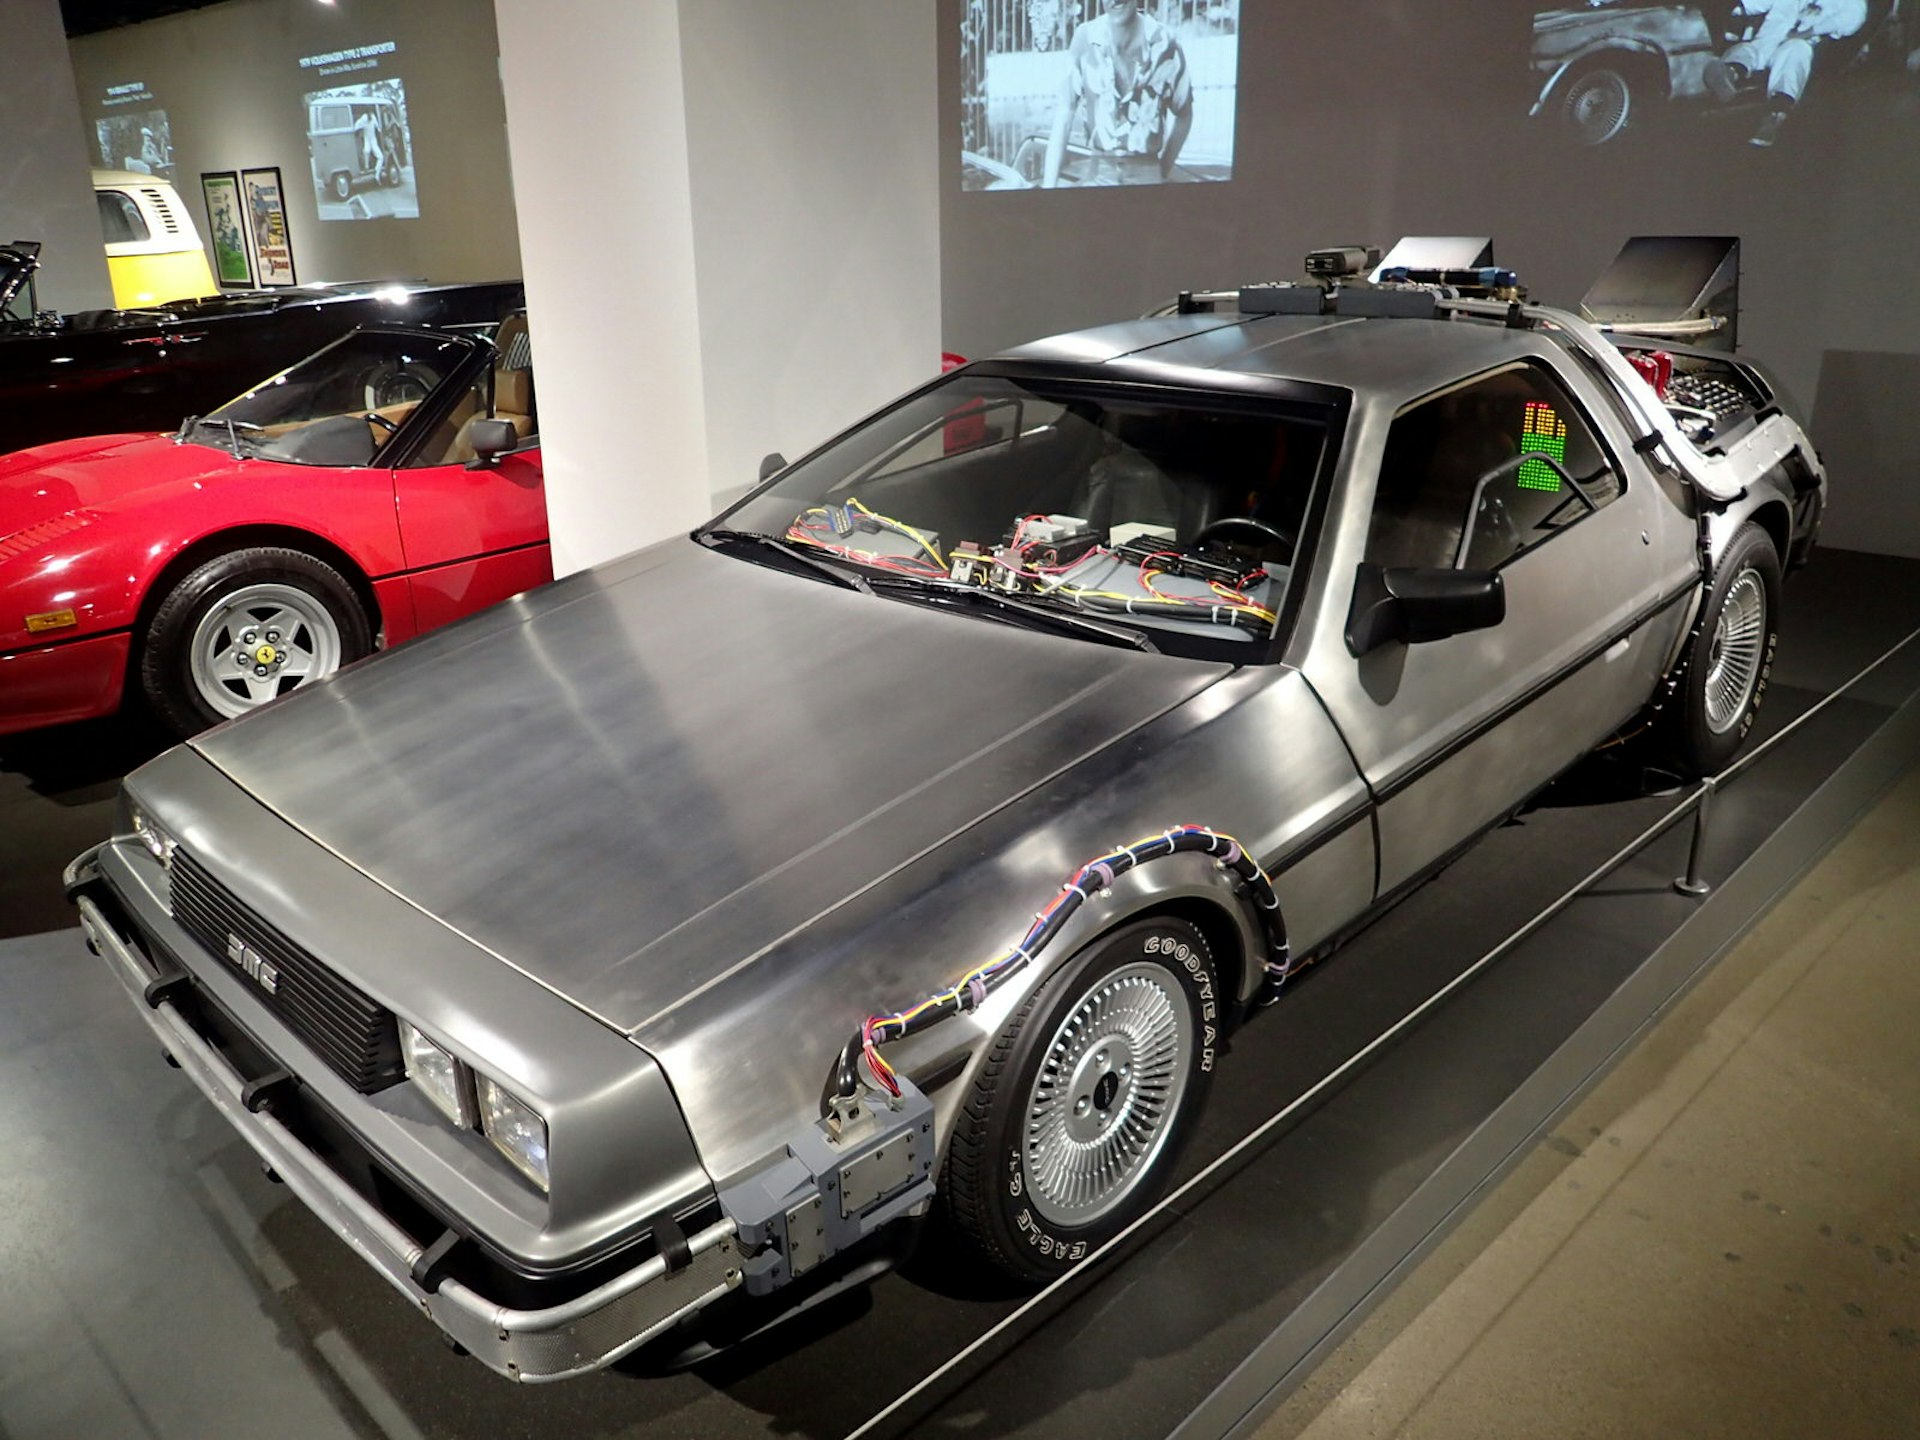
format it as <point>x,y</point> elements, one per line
<point>385,485</point>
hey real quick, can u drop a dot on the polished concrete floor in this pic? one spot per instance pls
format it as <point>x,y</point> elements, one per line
<point>1721,1239</point>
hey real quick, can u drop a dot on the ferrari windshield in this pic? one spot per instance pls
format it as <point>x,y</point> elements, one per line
<point>340,406</point>
<point>1175,514</point>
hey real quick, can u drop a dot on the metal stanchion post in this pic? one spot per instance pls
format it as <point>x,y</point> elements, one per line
<point>1691,883</point>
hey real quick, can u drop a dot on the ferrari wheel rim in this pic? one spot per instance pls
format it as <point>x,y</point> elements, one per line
<point>1107,1095</point>
<point>257,643</point>
<point>1733,665</point>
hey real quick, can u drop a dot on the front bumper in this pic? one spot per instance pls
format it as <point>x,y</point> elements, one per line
<point>529,1345</point>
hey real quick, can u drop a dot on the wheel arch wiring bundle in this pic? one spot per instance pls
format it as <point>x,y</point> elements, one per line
<point>1097,875</point>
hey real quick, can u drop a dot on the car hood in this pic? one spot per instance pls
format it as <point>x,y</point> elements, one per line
<point>636,780</point>
<point>48,483</point>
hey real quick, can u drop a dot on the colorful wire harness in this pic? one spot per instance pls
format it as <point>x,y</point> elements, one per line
<point>971,990</point>
<point>832,527</point>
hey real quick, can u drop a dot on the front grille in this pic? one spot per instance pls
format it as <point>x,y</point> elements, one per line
<point>352,1033</point>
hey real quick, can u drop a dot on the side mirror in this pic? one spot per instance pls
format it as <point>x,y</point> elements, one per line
<point>1415,605</point>
<point>772,464</point>
<point>490,440</point>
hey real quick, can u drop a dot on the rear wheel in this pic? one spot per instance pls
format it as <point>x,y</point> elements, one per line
<point>245,628</point>
<point>342,186</point>
<point>1085,1101</point>
<point>1732,656</point>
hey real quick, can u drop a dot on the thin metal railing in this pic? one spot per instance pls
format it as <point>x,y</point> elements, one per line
<point>1701,800</point>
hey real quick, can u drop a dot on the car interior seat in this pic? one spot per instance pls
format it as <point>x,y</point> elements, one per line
<point>1137,481</point>
<point>512,385</point>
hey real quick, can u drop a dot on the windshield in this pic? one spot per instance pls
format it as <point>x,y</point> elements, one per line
<point>339,407</point>
<point>1173,513</point>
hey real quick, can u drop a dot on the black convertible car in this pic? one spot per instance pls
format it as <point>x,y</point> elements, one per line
<point>97,371</point>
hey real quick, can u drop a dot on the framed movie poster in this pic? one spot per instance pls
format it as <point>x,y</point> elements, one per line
<point>266,207</point>
<point>227,229</point>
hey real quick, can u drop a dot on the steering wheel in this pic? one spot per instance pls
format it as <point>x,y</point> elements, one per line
<point>376,418</point>
<point>395,384</point>
<point>1216,528</point>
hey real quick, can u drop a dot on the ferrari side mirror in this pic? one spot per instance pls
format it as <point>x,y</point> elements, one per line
<point>491,439</point>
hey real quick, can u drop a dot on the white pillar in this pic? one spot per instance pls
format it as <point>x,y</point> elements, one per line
<point>596,129</point>
<point>729,218</point>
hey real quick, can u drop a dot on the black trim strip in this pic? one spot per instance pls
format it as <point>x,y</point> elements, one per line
<point>1324,834</point>
<point>1421,768</point>
<point>463,560</point>
<point>65,640</point>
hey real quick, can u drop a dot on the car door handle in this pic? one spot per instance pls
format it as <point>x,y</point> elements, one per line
<point>189,339</point>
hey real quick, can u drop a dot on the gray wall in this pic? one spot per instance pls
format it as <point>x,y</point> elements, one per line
<point>230,80</point>
<point>1377,118</point>
<point>44,194</point>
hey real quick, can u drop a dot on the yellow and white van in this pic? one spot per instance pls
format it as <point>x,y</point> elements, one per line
<point>153,251</point>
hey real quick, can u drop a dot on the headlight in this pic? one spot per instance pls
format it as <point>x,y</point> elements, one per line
<point>149,834</point>
<point>443,1078</point>
<point>516,1131</point>
<point>468,1098</point>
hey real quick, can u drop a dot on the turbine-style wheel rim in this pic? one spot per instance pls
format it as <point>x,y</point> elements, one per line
<point>1597,107</point>
<point>1733,664</point>
<point>260,642</point>
<point>1109,1087</point>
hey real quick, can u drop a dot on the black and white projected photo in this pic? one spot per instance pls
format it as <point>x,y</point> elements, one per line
<point>1608,69</point>
<point>133,139</point>
<point>359,139</point>
<point>1097,92</point>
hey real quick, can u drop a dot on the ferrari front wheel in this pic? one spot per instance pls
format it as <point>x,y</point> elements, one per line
<point>245,628</point>
<point>1079,1113</point>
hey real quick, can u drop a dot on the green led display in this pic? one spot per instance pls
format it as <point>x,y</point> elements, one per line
<point>1545,432</point>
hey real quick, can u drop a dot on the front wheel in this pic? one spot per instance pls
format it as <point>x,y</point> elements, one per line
<point>245,628</point>
<point>342,186</point>
<point>1732,656</point>
<point>1085,1100</point>
<point>1598,103</point>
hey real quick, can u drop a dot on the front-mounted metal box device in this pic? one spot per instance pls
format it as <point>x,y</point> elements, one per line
<point>841,1179</point>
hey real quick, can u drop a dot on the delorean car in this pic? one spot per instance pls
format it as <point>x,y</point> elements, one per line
<point>655,948</point>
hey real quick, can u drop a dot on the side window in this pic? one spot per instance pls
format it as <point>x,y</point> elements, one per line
<point>1486,471</point>
<point>120,218</point>
<point>504,392</point>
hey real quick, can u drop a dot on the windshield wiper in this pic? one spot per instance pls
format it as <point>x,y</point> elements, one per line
<point>234,429</point>
<point>799,553</point>
<point>1032,613</point>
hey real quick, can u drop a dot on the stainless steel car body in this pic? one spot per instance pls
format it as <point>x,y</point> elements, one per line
<point>696,818</point>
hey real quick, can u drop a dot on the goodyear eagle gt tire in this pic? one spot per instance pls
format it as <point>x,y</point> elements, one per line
<point>1732,657</point>
<point>1085,1100</point>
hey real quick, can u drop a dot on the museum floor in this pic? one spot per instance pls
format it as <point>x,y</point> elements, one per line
<point>1721,1239</point>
